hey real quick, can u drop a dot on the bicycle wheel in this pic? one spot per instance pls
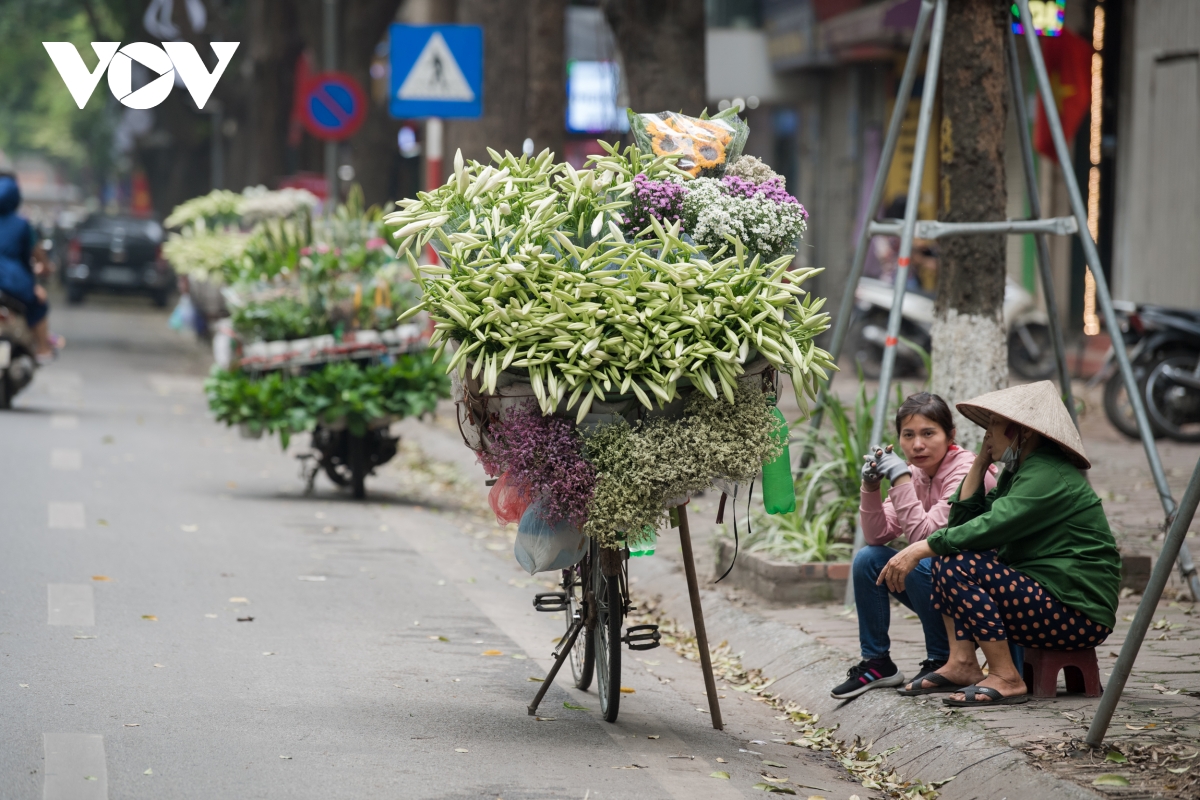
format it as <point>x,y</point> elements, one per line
<point>583,654</point>
<point>606,592</point>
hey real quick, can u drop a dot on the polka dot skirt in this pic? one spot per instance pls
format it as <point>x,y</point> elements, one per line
<point>991,602</point>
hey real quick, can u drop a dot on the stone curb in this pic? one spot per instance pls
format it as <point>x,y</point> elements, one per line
<point>932,745</point>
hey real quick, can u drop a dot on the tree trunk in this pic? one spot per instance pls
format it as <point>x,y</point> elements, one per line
<point>546,97</point>
<point>662,50</point>
<point>273,44</point>
<point>970,352</point>
<point>373,150</point>
<point>505,76</point>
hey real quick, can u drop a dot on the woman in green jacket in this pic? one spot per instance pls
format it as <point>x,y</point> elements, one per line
<point>1033,561</point>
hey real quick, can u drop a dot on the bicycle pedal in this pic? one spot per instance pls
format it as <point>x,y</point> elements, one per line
<point>642,637</point>
<point>550,601</point>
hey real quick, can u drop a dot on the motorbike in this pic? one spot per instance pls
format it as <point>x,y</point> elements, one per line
<point>18,362</point>
<point>348,459</point>
<point>1163,343</point>
<point>1030,349</point>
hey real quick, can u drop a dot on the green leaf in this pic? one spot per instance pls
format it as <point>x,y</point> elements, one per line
<point>773,789</point>
<point>775,764</point>
<point>1110,780</point>
<point>1116,757</point>
<point>573,707</point>
<point>719,774</point>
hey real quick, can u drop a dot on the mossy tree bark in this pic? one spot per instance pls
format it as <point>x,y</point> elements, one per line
<point>970,353</point>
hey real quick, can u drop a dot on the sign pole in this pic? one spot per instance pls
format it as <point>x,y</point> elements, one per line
<point>433,164</point>
<point>332,192</point>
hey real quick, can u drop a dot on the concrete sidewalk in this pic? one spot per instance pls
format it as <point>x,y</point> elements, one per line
<point>1028,751</point>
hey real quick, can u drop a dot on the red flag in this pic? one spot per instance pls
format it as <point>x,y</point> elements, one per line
<point>1069,63</point>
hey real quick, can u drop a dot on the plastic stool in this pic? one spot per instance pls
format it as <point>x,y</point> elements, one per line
<point>1079,667</point>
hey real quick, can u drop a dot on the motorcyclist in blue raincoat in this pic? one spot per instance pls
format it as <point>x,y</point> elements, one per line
<point>17,276</point>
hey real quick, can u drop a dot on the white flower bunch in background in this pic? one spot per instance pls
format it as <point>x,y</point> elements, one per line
<point>763,216</point>
<point>260,203</point>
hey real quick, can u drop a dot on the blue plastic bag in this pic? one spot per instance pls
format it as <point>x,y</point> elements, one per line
<point>541,547</point>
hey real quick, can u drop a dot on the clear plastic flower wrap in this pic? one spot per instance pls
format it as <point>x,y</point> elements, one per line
<point>705,144</point>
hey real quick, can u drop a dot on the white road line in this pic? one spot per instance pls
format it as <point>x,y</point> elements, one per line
<point>71,604</point>
<point>75,767</point>
<point>64,421</point>
<point>66,515</point>
<point>66,459</point>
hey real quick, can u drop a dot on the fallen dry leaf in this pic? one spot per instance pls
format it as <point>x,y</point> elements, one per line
<point>491,653</point>
<point>268,653</point>
<point>103,523</point>
<point>150,617</point>
<point>159,666</point>
<point>628,690</point>
<point>23,685</point>
<point>544,719</point>
<point>133,725</point>
<point>719,774</point>
<point>722,761</point>
<point>655,736</point>
<point>535,679</point>
<point>101,578</point>
<point>460,749</point>
<point>148,771</point>
<point>238,600</point>
<point>286,758</point>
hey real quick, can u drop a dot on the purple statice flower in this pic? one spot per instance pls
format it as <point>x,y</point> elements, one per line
<point>542,456</point>
<point>771,189</point>
<point>662,200</point>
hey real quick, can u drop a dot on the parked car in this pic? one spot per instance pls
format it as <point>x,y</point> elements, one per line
<point>118,254</point>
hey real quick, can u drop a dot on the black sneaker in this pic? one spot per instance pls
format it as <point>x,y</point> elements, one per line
<point>866,675</point>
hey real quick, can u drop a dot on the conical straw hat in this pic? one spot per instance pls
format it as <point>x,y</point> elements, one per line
<point>1038,407</point>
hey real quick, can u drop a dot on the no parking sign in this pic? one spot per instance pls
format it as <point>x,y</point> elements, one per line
<point>334,106</point>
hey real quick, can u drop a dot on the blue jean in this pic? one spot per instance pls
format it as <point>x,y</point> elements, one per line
<point>874,607</point>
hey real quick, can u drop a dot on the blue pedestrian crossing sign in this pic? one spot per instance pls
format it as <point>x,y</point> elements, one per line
<point>437,71</point>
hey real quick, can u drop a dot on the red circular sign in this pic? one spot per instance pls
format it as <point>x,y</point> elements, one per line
<point>334,106</point>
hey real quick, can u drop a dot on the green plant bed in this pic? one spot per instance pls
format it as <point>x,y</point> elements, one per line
<point>342,393</point>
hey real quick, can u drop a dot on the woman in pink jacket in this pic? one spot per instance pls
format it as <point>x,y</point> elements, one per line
<point>916,507</point>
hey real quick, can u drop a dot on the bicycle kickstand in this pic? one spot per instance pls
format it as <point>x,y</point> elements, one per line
<point>560,656</point>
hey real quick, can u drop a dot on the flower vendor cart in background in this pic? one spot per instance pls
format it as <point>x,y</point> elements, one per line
<point>312,343</point>
<point>617,334</point>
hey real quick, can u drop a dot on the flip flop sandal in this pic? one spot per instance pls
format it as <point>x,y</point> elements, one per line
<point>997,698</point>
<point>941,685</point>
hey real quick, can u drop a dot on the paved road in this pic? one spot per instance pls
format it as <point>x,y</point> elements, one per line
<point>178,621</point>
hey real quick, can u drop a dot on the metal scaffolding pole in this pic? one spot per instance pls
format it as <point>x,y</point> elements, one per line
<point>1146,611</point>
<point>924,123</point>
<point>1035,211</point>
<point>1186,568</point>
<point>841,323</point>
